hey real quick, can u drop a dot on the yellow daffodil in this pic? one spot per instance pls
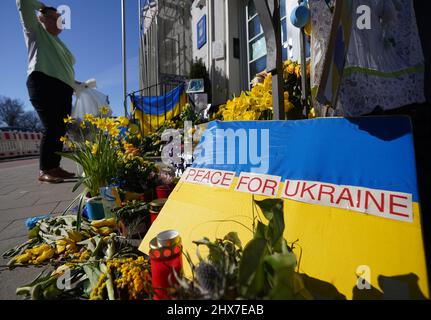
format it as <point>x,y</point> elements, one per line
<point>64,139</point>
<point>288,106</point>
<point>291,68</point>
<point>109,124</point>
<point>312,114</point>
<point>253,104</point>
<point>68,119</point>
<point>71,144</point>
<point>267,83</point>
<point>114,132</point>
<point>87,143</point>
<point>82,125</point>
<point>133,128</point>
<point>104,110</point>
<point>94,148</point>
<point>298,71</point>
<point>100,124</point>
<point>123,121</point>
<point>127,145</point>
<point>89,117</point>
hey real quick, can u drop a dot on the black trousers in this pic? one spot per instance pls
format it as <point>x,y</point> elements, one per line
<point>52,100</point>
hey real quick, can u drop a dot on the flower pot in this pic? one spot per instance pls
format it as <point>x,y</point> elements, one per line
<point>108,201</point>
<point>95,209</point>
<point>164,191</point>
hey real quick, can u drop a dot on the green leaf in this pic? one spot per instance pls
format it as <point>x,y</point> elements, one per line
<point>283,288</point>
<point>261,230</point>
<point>79,213</point>
<point>93,274</point>
<point>252,256</point>
<point>281,268</point>
<point>233,237</point>
<point>98,246</point>
<point>273,211</point>
<point>257,285</point>
<point>78,184</point>
<point>278,261</point>
<point>269,205</point>
<point>276,225</point>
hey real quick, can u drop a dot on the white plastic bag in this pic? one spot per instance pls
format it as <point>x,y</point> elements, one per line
<point>88,100</point>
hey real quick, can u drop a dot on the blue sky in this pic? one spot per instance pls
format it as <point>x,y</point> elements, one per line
<point>94,39</point>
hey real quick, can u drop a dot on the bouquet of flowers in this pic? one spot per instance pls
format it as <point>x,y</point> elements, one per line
<point>94,147</point>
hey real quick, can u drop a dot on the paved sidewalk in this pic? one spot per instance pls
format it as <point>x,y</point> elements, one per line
<point>22,196</point>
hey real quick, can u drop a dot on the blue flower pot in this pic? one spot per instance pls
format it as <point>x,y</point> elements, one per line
<point>95,209</point>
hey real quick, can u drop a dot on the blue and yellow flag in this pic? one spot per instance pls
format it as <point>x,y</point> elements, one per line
<point>350,198</point>
<point>153,111</point>
<point>335,58</point>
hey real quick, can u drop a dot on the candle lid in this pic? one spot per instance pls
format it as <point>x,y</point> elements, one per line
<point>153,244</point>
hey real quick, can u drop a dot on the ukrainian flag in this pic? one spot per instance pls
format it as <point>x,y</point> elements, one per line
<point>350,198</point>
<point>153,111</point>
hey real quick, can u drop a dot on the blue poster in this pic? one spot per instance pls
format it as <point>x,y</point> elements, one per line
<point>202,31</point>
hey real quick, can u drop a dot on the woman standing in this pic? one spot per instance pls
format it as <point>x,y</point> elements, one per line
<point>50,82</point>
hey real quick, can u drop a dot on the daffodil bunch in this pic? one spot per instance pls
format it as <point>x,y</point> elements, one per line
<point>256,104</point>
<point>292,75</point>
<point>95,146</point>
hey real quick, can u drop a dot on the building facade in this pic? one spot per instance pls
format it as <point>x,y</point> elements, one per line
<point>166,44</point>
<point>228,37</point>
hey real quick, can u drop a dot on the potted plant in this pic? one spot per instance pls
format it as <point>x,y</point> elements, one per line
<point>94,142</point>
<point>136,177</point>
<point>94,150</point>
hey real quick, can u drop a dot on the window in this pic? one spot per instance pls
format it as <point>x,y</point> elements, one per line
<point>256,39</point>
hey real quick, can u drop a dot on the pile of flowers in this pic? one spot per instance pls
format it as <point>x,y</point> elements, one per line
<point>126,278</point>
<point>256,104</point>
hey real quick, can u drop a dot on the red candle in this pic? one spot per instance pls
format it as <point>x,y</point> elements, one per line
<point>166,258</point>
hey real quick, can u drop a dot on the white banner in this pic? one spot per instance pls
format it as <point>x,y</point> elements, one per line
<point>213,178</point>
<point>262,184</point>
<point>381,203</point>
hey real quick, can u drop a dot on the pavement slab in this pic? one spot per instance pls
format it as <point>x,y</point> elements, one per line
<point>21,197</point>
